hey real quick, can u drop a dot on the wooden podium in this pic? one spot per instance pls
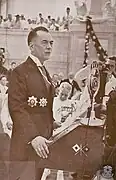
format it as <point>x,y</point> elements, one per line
<point>77,148</point>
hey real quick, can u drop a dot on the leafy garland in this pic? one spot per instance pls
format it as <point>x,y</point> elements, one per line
<point>90,33</point>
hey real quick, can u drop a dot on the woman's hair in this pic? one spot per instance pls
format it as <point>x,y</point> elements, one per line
<point>65,86</point>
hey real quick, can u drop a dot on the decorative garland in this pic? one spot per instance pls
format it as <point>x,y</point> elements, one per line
<point>90,33</point>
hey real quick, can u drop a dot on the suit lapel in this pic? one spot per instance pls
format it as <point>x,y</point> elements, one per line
<point>33,66</point>
<point>50,80</point>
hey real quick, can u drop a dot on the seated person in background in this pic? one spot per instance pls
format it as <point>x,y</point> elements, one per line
<point>3,70</point>
<point>3,89</point>
<point>12,67</point>
<point>55,83</point>
<point>63,108</point>
<point>4,113</point>
<point>75,87</point>
<point>3,84</point>
<point>54,26</point>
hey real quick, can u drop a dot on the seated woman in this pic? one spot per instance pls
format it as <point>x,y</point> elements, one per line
<point>64,108</point>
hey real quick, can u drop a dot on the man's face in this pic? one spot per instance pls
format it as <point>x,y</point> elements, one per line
<point>4,81</point>
<point>1,51</point>
<point>68,11</point>
<point>61,76</point>
<point>71,76</point>
<point>111,65</point>
<point>40,15</point>
<point>64,94</point>
<point>42,46</point>
<point>55,77</point>
<point>13,66</point>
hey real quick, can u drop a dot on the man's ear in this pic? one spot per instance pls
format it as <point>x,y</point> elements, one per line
<point>31,45</point>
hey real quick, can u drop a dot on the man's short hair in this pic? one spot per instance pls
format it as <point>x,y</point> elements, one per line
<point>33,33</point>
<point>67,8</point>
<point>13,63</point>
<point>2,76</point>
<point>65,85</point>
<point>3,49</point>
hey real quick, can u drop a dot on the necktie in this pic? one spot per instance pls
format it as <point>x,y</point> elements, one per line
<point>43,71</point>
<point>42,68</point>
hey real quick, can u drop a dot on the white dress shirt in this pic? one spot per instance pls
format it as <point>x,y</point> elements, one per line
<point>39,64</point>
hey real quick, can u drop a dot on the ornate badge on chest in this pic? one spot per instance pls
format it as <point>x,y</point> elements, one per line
<point>32,101</point>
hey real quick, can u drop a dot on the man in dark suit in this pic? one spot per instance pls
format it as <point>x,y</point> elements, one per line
<point>30,105</point>
<point>73,83</point>
<point>13,66</point>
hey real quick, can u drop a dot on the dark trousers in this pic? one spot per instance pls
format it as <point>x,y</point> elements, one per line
<point>24,170</point>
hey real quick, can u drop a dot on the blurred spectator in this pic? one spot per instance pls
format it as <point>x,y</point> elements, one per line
<point>58,21</point>
<point>67,20</point>
<point>42,23</point>
<point>60,77</point>
<point>20,22</point>
<point>75,87</point>
<point>3,89</point>
<point>84,82</point>
<point>111,80</point>
<point>33,24</point>
<point>1,22</point>
<point>3,84</point>
<point>4,115</point>
<point>39,17</point>
<point>68,17</point>
<point>49,21</point>
<point>9,23</point>
<point>29,21</point>
<point>55,83</point>
<point>23,22</point>
<point>64,27</point>
<point>54,26</point>
<point>63,21</point>
<point>13,65</point>
<point>55,80</point>
<point>17,23</point>
<point>3,70</point>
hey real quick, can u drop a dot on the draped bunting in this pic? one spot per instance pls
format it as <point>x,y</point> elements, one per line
<point>90,34</point>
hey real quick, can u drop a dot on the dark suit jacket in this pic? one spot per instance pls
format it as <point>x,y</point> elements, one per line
<point>101,91</point>
<point>111,119</point>
<point>29,122</point>
<point>74,85</point>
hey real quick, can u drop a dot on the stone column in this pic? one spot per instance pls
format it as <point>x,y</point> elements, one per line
<point>3,7</point>
<point>10,6</point>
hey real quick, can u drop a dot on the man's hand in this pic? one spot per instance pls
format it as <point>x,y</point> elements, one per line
<point>40,145</point>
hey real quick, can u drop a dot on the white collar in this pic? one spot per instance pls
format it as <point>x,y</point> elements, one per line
<point>36,60</point>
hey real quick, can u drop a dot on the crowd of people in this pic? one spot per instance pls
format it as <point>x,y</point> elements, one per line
<point>20,22</point>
